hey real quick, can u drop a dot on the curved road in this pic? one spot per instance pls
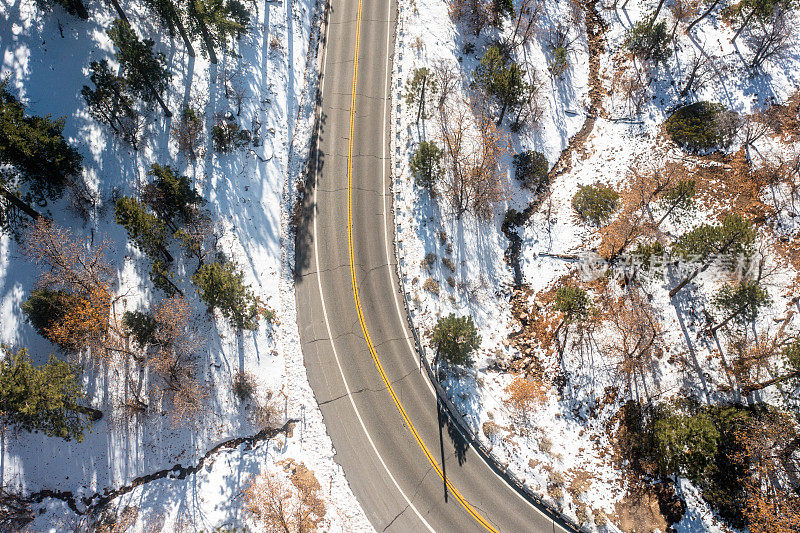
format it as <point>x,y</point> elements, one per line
<point>408,469</point>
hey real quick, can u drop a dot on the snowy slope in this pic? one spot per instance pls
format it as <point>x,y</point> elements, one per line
<point>564,453</point>
<point>249,192</point>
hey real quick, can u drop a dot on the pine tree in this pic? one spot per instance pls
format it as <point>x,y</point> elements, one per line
<point>731,239</point>
<point>12,203</point>
<point>35,147</point>
<point>146,230</point>
<point>188,133</point>
<point>649,40</point>
<point>456,338</point>
<point>146,72</point>
<point>595,203</point>
<point>426,164</point>
<point>162,278</point>
<point>170,17</point>
<point>421,86</point>
<point>703,126</point>
<point>110,101</point>
<point>740,302</point>
<point>573,302</point>
<point>171,196</point>
<point>141,325</point>
<point>73,7</point>
<point>222,287</point>
<point>531,168</point>
<point>502,79</point>
<point>219,23</point>
<point>685,445</point>
<point>500,9</point>
<point>44,398</point>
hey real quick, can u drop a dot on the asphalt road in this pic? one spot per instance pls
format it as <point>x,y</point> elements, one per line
<point>395,446</point>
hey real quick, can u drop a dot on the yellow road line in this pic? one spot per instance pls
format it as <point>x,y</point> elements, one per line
<point>464,503</point>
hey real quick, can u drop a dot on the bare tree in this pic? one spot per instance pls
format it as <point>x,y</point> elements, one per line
<point>286,506</point>
<point>15,511</point>
<point>531,110</point>
<point>707,12</point>
<point>66,262</point>
<point>473,148</point>
<point>475,15</point>
<point>447,78</point>
<point>699,71</point>
<point>753,127</point>
<point>525,23</point>
<point>772,39</point>
<point>636,338</point>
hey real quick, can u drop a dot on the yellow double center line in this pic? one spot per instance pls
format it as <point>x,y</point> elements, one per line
<point>471,510</point>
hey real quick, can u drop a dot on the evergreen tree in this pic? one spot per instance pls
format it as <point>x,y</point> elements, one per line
<point>169,15</point>
<point>45,308</point>
<point>421,86</point>
<point>426,164</point>
<point>228,136</point>
<point>171,196</point>
<point>685,445</point>
<point>222,287</point>
<point>595,203</point>
<point>455,339</point>
<point>649,40</point>
<point>729,241</point>
<point>35,147</point>
<point>145,72</point>
<point>219,23</point>
<point>141,325</point>
<point>501,9</point>
<point>144,229</point>
<point>530,168</point>
<point>740,302</point>
<point>110,101</point>
<point>573,302</point>
<point>13,203</point>
<point>502,79</point>
<point>702,126</point>
<point>73,7</point>
<point>43,398</point>
<point>162,278</point>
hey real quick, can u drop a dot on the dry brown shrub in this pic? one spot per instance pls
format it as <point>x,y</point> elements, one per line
<point>86,324</point>
<point>174,361</point>
<point>685,10</point>
<point>785,119</point>
<point>766,446</point>
<point>265,414</point>
<point>187,401</point>
<point>727,183</point>
<point>524,394</point>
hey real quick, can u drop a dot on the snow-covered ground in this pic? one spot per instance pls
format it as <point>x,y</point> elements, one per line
<point>564,451</point>
<point>249,193</point>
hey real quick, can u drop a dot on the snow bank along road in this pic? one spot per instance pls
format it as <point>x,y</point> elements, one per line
<point>396,449</point>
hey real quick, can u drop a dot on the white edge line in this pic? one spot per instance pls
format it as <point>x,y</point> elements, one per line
<point>324,308</point>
